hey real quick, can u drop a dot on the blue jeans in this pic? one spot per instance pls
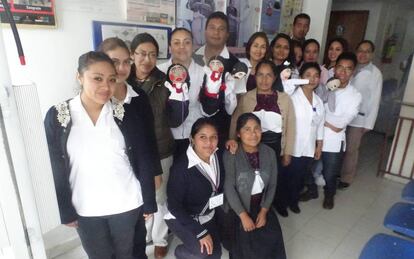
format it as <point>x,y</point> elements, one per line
<point>332,164</point>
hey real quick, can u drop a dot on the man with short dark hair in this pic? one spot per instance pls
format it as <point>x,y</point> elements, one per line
<point>368,81</point>
<point>216,34</point>
<point>347,102</point>
<point>300,28</point>
<point>213,104</point>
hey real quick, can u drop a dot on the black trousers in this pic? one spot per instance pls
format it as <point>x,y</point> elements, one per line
<point>281,195</point>
<point>298,170</point>
<point>108,237</point>
<point>190,249</point>
<point>309,179</point>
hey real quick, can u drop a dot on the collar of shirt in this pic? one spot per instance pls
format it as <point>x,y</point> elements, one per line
<point>76,106</point>
<point>194,159</point>
<point>340,91</point>
<point>224,52</point>
<point>314,100</point>
<point>368,67</point>
<point>129,94</point>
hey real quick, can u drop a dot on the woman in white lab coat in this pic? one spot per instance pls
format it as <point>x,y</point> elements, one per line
<point>310,112</point>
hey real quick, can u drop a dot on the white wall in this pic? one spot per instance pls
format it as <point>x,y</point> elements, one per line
<point>392,13</point>
<point>319,11</point>
<point>51,54</point>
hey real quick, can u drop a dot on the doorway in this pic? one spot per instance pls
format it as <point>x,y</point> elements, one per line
<point>350,25</point>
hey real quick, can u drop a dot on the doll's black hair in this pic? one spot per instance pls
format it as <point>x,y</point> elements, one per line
<point>187,80</point>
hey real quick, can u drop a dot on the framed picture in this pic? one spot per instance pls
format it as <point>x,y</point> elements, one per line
<point>151,11</point>
<point>244,20</point>
<point>289,10</point>
<point>31,12</point>
<point>127,32</point>
<point>270,17</point>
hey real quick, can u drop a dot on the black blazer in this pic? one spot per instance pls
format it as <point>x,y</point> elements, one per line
<point>140,146</point>
<point>189,191</point>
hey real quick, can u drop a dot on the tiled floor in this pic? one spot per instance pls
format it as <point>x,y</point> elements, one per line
<point>340,233</point>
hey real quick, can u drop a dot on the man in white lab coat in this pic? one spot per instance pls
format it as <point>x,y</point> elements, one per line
<point>337,118</point>
<point>368,81</point>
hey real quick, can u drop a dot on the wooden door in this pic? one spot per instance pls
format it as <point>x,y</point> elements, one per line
<point>350,25</point>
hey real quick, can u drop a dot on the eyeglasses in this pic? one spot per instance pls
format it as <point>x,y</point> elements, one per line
<point>143,55</point>
<point>364,51</point>
<point>347,70</point>
<point>127,62</point>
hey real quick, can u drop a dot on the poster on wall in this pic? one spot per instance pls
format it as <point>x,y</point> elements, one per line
<point>270,17</point>
<point>192,14</point>
<point>290,9</point>
<point>127,32</point>
<point>31,12</point>
<point>244,20</point>
<point>151,11</point>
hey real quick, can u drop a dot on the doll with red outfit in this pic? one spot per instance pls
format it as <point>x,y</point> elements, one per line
<point>178,83</point>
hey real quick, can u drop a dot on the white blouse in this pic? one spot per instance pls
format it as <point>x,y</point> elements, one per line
<point>101,178</point>
<point>309,123</point>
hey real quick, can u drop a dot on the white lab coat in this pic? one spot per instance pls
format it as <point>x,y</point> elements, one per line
<point>368,81</point>
<point>309,123</point>
<point>347,104</point>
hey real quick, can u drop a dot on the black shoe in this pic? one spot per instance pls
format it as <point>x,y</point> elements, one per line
<point>308,195</point>
<point>343,185</point>
<point>295,209</point>
<point>282,211</point>
<point>328,202</point>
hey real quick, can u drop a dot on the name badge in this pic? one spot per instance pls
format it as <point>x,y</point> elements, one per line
<point>215,201</point>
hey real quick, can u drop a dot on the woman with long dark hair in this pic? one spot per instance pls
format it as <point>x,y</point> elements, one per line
<point>275,110</point>
<point>250,185</point>
<point>95,145</point>
<point>195,194</point>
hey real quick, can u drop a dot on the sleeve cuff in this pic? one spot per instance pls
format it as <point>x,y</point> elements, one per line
<point>148,209</point>
<point>202,234</point>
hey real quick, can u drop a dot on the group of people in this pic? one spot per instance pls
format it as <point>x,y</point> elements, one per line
<point>205,145</point>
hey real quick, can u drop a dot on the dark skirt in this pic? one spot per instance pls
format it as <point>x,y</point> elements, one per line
<point>263,243</point>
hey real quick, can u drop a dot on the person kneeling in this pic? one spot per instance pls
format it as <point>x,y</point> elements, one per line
<point>250,185</point>
<point>195,195</point>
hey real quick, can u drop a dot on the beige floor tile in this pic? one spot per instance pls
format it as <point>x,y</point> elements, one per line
<point>303,246</point>
<point>325,231</point>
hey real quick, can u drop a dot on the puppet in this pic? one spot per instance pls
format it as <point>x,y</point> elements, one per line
<point>289,85</point>
<point>177,82</point>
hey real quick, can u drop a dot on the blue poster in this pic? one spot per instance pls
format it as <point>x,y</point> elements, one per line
<point>270,17</point>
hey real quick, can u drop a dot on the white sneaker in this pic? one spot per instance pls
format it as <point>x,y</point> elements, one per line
<point>319,180</point>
